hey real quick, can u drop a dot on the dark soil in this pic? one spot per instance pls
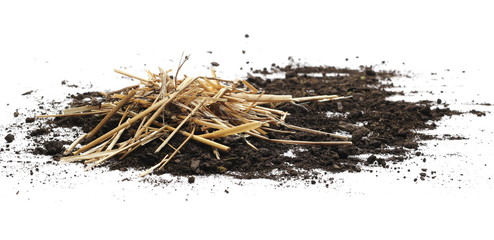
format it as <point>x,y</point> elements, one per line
<point>376,125</point>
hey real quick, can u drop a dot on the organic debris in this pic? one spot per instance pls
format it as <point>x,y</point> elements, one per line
<point>202,109</point>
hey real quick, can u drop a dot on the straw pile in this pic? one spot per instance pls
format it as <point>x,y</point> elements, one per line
<point>201,108</point>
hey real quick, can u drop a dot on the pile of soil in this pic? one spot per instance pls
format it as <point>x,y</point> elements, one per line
<point>377,126</point>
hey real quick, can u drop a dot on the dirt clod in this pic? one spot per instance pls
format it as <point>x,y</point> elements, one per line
<point>371,159</point>
<point>9,138</point>
<point>191,179</point>
<point>53,147</point>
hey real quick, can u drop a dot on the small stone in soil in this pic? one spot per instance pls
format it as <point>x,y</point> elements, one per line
<point>29,120</point>
<point>214,64</point>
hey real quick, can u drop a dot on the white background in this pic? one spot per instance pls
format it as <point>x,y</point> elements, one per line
<point>45,42</point>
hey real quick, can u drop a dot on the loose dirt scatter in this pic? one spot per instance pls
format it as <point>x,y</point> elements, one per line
<point>376,125</point>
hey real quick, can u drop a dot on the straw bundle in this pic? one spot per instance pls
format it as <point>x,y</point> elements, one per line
<point>201,108</point>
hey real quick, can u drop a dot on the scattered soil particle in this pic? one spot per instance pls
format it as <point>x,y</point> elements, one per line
<point>453,137</point>
<point>478,113</point>
<point>191,179</point>
<point>27,93</point>
<point>215,64</point>
<point>371,159</point>
<point>376,125</point>
<point>9,138</point>
<point>30,120</point>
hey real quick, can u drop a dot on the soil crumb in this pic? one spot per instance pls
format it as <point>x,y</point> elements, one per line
<point>9,138</point>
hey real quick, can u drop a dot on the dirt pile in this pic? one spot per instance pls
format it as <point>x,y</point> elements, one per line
<point>376,125</point>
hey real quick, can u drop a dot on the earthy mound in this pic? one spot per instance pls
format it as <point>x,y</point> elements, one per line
<point>376,125</point>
